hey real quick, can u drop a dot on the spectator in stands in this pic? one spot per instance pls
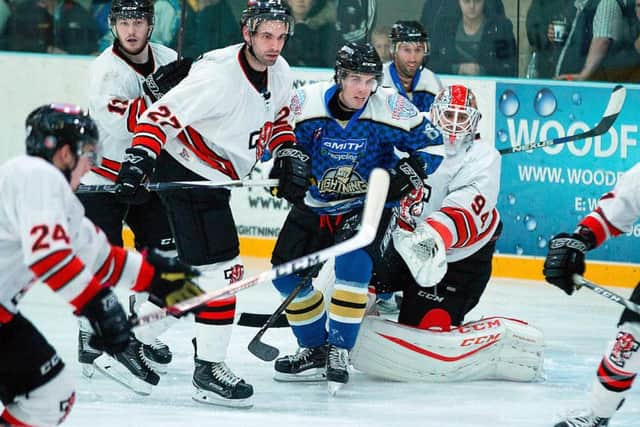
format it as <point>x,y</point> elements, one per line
<point>166,22</point>
<point>380,40</point>
<point>482,42</point>
<point>5,13</point>
<point>309,45</point>
<point>613,53</point>
<point>75,30</point>
<point>436,13</point>
<point>354,19</point>
<point>562,51</point>
<point>30,27</point>
<point>209,24</point>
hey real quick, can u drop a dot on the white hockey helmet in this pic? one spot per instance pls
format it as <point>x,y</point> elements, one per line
<point>455,113</point>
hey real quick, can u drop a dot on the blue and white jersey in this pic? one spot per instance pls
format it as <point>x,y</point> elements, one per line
<point>343,154</point>
<point>424,88</point>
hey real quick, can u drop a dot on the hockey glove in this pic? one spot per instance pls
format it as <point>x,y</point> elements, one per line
<point>172,280</point>
<point>109,322</point>
<point>424,252</point>
<point>566,258</point>
<point>408,175</point>
<point>135,170</point>
<point>292,166</point>
<point>166,78</point>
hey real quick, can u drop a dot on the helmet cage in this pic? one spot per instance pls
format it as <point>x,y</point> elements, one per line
<point>455,113</point>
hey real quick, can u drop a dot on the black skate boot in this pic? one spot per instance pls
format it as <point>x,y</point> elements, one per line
<point>158,355</point>
<point>86,353</point>
<point>217,385</point>
<point>337,368</point>
<point>589,420</point>
<point>308,364</point>
<point>130,368</point>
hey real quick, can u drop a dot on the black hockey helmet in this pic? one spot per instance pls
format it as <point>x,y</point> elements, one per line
<point>131,9</point>
<point>52,126</point>
<point>258,11</point>
<point>407,31</point>
<point>358,57</point>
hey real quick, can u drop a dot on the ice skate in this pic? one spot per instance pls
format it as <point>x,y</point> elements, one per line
<point>216,384</point>
<point>588,420</point>
<point>86,353</point>
<point>337,368</point>
<point>158,356</point>
<point>307,364</point>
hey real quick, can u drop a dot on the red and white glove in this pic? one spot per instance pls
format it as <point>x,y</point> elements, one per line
<point>424,252</point>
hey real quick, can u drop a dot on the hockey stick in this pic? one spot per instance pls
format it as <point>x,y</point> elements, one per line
<point>261,349</point>
<point>616,101</point>
<point>257,320</point>
<point>181,185</point>
<point>580,281</point>
<point>373,206</point>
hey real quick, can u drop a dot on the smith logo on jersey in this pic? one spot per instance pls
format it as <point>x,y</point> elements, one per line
<point>340,149</point>
<point>343,180</point>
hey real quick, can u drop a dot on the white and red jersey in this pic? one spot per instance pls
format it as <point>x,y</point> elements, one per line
<point>211,120</point>
<point>460,199</point>
<point>116,100</point>
<point>45,236</point>
<point>618,209</point>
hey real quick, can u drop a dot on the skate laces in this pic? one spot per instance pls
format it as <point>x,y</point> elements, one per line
<point>585,420</point>
<point>158,345</point>
<point>142,357</point>
<point>338,357</point>
<point>302,354</point>
<point>222,373</point>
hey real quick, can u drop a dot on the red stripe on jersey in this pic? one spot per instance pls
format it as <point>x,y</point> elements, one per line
<point>66,274</point>
<point>148,142</point>
<point>614,379</point>
<point>598,223</point>
<point>110,164</point>
<point>105,173</point>
<point>5,315</point>
<point>113,265</point>
<point>86,295</point>
<point>136,109</point>
<point>282,132</point>
<point>143,281</point>
<point>47,263</point>
<point>465,227</point>
<point>443,231</point>
<point>194,142</point>
<point>13,421</point>
<point>153,130</point>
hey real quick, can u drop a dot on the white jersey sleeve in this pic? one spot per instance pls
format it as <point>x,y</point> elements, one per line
<point>45,236</point>
<point>465,213</point>
<point>618,209</point>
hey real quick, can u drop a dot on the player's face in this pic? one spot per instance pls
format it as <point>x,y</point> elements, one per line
<point>356,89</point>
<point>409,57</point>
<point>268,41</point>
<point>472,9</point>
<point>83,165</point>
<point>382,45</point>
<point>300,8</point>
<point>132,34</point>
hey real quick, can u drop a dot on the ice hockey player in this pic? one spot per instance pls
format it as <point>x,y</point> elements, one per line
<point>344,129</point>
<point>47,238</point>
<point>210,125</point>
<point>615,214</point>
<point>440,257</point>
<point>119,79</point>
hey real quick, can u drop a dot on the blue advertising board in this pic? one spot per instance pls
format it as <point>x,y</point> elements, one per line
<point>546,191</point>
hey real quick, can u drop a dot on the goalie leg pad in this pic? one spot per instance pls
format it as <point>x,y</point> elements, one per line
<point>492,348</point>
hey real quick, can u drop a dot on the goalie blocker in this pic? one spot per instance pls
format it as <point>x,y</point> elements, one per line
<point>495,348</point>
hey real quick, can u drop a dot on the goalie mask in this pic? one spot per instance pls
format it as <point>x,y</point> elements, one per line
<point>52,126</point>
<point>258,11</point>
<point>455,113</point>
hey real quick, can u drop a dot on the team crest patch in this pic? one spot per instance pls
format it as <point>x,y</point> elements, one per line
<point>297,102</point>
<point>343,180</point>
<point>234,274</point>
<point>401,108</point>
<point>624,346</point>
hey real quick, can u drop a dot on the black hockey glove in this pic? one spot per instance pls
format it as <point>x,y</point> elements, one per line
<point>166,78</point>
<point>109,322</point>
<point>135,170</point>
<point>292,166</point>
<point>172,281</point>
<point>566,258</point>
<point>406,176</point>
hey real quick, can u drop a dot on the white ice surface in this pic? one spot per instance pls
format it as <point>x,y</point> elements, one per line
<point>576,328</point>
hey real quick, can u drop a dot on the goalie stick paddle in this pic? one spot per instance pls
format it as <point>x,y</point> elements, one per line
<point>373,206</point>
<point>616,101</point>
<point>181,185</point>
<point>580,281</point>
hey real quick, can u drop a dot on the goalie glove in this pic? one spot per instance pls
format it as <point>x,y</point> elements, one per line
<point>424,252</point>
<point>566,258</point>
<point>165,78</point>
<point>408,175</point>
<point>172,280</point>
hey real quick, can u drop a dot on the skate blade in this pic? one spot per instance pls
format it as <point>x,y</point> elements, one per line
<point>88,370</point>
<point>311,375</point>
<point>111,368</point>
<point>333,387</point>
<point>211,398</point>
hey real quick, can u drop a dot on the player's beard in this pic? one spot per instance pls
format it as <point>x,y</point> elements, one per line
<point>130,52</point>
